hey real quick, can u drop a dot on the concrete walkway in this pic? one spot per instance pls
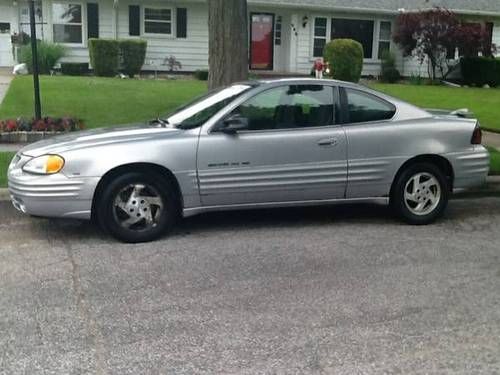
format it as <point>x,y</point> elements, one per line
<point>5,79</point>
<point>491,139</point>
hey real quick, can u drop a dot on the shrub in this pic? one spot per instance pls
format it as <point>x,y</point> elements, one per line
<point>389,72</point>
<point>133,52</point>
<point>416,80</point>
<point>172,63</point>
<point>74,69</point>
<point>48,56</point>
<point>345,57</point>
<point>480,71</point>
<point>104,56</point>
<point>201,75</point>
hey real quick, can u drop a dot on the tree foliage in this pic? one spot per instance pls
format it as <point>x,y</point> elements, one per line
<point>433,35</point>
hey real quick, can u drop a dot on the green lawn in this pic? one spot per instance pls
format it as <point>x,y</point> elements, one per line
<point>99,101</point>
<point>494,161</point>
<point>5,158</point>
<point>484,103</point>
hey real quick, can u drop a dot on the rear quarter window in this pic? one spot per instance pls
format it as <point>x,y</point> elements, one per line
<point>364,107</point>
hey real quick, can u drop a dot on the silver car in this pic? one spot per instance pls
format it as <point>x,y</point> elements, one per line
<point>289,142</point>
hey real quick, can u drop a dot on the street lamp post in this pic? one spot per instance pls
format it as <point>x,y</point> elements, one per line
<point>34,52</point>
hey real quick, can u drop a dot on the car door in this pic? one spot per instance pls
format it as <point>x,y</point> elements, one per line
<point>375,143</point>
<point>292,150</point>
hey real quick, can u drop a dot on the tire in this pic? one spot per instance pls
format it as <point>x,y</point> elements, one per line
<point>137,207</point>
<point>420,194</point>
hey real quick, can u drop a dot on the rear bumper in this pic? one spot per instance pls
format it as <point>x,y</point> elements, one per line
<point>470,168</point>
<point>52,196</point>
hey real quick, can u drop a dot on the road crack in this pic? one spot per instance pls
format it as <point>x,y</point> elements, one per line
<point>84,311</point>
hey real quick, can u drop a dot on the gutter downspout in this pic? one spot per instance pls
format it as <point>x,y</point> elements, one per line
<point>115,18</point>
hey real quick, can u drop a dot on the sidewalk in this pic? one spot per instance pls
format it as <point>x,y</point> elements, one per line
<point>491,139</point>
<point>5,79</point>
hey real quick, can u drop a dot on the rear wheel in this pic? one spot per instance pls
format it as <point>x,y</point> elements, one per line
<point>137,207</point>
<point>420,194</point>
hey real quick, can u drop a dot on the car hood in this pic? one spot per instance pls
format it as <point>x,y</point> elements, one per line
<point>98,137</point>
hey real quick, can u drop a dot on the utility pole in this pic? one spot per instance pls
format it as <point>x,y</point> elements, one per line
<point>34,53</point>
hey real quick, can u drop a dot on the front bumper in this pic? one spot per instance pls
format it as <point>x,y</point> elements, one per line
<point>51,195</point>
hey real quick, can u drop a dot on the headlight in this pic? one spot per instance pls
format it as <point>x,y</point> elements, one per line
<point>46,164</point>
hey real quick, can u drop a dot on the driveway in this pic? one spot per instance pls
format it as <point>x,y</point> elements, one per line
<point>339,290</point>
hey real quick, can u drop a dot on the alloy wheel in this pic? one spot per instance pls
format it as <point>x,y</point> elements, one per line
<point>138,207</point>
<point>422,194</point>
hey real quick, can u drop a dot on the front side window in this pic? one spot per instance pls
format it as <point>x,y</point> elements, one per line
<point>359,30</point>
<point>158,21</point>
<point>67,23</point>
<point>364,107</point>
<point>288,107</point>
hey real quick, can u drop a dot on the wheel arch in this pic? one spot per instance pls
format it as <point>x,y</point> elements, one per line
<point>439,161</point>
<point>136,167</point>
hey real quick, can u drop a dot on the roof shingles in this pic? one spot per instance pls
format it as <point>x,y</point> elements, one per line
<point>466,6</point>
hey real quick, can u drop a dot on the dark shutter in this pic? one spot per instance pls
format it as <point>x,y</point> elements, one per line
<point>181,23</point>
<point>134,20</point>
<point>92,20</point>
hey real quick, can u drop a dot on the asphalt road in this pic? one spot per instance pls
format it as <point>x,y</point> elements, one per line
<point>338,290</point>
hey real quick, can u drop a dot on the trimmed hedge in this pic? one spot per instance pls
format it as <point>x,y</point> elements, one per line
<point>345,58</point>
<point>133,53</point>
<point>104,56</point>
<point>201,75</point>
<point>74,69</point>
<point>480,71</point>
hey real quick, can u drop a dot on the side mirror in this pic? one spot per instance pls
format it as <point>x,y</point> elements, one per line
<point>234,124</point>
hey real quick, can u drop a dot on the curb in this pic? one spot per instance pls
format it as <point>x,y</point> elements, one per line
<point>490,189</point>
<point>4,195</point>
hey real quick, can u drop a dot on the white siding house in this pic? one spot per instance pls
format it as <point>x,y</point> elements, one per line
<point>285,35</point>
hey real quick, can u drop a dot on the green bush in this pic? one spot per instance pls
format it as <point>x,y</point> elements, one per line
<point>201,75</point>
<point>133,52</point>
<point>389,73</point>
<point>104,56</point>
<point>480,71</point>
<point>74,69</point>
<point>345,57</point>
<point>48,56</point>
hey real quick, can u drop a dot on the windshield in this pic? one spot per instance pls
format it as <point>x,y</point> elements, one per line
<point>198,111</point>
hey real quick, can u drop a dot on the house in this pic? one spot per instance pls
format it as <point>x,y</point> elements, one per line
<point>285,35</point>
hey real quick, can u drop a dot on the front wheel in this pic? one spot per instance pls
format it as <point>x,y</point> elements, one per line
<point>137,207</point>
<point>420,194</point>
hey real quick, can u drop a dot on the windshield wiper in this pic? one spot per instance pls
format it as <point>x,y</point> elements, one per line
<point>162,122</point>
<point>187,126</point>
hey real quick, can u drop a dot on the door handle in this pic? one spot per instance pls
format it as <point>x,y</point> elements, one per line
<point>327,142</point>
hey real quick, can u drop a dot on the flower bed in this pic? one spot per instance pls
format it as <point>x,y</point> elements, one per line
<point>23,130</point>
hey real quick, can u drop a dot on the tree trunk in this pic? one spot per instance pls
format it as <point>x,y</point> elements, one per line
<point>228,42</point>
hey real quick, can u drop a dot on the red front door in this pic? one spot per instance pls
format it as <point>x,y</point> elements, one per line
<point>261,41</point>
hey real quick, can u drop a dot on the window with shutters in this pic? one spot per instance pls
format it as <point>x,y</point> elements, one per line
<point>67,23</point>
<point>158,21</point>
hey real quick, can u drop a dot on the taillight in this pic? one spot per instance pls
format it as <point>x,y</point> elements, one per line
<point>477,135</point>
